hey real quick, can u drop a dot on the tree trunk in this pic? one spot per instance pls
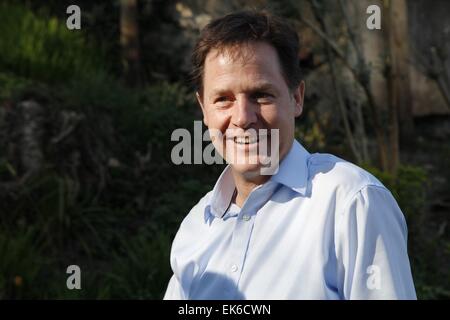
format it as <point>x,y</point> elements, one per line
<point>389,80</point>
<point>129,41</point>
<point>397,14</point>
<point>370,51</point>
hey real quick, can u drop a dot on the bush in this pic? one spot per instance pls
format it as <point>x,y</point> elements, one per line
<point>42,48</point>
<point>110,177</point>
<point>22,264</point>
<point>140,268</point>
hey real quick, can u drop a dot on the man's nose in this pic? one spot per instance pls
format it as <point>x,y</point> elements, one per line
<point>244,113</point>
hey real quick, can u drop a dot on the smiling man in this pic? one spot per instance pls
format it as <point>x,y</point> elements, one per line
<point>317,227</point>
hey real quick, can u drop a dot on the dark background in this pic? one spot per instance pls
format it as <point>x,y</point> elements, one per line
<point>86,118</point>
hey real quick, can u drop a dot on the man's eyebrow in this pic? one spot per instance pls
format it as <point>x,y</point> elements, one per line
<point>219,92</point>
<point>264,86</point>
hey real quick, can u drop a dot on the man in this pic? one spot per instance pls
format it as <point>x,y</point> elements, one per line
<point>318,227</point>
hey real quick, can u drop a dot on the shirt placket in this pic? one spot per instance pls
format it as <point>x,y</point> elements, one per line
<point>239,245</point>
<point>243,231</point>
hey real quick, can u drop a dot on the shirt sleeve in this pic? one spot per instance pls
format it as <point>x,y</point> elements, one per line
<point>371,248</point>
<point>173,291</point>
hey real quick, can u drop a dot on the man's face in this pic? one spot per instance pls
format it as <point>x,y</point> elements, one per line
<point>243,93</point>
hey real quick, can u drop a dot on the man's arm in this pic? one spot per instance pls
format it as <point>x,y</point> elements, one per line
<point>371,248</point>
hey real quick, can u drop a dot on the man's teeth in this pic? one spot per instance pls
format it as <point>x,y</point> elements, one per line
<point>245,140</point>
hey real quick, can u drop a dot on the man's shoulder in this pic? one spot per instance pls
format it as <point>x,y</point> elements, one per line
<point>328,171</point>
<point>193,223</point>
<point>198,210</point>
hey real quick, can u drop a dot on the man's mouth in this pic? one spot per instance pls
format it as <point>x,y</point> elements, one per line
<point>246,140</point>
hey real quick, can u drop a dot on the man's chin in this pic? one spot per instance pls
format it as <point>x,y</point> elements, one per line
<point>247,170</point>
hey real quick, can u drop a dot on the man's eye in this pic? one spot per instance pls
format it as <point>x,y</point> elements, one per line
<point>220,99</point>
<point>262,97</point>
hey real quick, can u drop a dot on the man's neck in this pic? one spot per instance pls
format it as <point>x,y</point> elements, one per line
<point>245,185</point>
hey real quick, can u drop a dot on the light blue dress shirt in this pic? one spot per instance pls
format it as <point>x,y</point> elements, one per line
<point>321,228</point>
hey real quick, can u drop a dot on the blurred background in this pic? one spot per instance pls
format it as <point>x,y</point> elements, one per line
<point>86,118</point>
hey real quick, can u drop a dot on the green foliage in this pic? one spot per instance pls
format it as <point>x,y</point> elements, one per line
<point>84,206</point>
<point>22,262</point>
<point>130,277</point>
<point>11,85</point>
<point>153,113</point>
<point>42,48</point>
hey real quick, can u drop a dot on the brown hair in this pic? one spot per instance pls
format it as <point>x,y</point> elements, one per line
<point>244,27</point>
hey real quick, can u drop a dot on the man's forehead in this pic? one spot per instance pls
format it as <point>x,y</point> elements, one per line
<point>245,67</point>
<point>243,53</point>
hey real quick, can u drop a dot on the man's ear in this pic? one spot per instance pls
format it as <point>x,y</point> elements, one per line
<point>299,96</point>
<point>200,102</point>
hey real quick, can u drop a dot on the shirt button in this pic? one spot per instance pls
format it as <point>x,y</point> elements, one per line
<point>234,268</point>
<point>245,217</point>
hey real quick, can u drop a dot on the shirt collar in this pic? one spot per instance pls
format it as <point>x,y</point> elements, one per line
<point>292,173</point>
<point>222,193</point>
